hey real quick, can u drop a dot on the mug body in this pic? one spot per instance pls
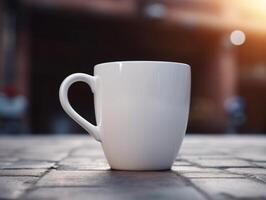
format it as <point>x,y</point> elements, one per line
<point>142,111</point>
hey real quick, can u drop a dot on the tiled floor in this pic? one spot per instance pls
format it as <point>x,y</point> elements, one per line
<point>74,167</point>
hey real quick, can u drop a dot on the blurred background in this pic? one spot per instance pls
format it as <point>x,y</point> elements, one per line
<point>43,41</point>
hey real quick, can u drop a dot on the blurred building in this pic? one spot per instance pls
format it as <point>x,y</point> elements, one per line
<point>223,41</point>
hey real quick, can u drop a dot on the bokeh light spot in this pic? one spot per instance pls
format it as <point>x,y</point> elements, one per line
<point>237,37</point>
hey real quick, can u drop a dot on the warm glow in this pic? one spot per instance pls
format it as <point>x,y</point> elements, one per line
<point>256,5</point>
<point>248,15</point>
<point>237,37</point>
<point>253,7</point>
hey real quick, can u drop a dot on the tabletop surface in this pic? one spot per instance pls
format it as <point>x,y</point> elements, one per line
<point>74,167</point>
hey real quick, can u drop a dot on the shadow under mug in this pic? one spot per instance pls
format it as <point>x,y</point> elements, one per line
<point>141,111</point>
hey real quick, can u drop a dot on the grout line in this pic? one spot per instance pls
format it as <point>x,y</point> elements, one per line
<point>54,167</point>
<point>31,188</point>
<point>189,183</point>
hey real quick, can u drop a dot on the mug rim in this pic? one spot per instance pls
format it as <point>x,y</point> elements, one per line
<point>179,64</point>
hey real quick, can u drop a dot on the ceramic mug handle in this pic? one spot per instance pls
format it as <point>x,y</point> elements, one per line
<point>63,96</point>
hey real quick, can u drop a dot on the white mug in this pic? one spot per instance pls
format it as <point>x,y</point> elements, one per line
<point>141,111</point>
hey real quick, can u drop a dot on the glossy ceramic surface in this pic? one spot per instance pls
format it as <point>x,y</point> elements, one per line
<point>141,111</point>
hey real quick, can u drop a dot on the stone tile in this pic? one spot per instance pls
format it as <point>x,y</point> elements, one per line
<point>223,163</point>
<point>41,143</point>
<point>13,187</point>
<point>253,155</point>
<point>177,168</point>
<point>91,167</point>
<point>261,177</point>
<point>4,153</point>
<point>206,157</point>
<point>197,172</point>
<point>260,164</point>
<point>219,174</point>
<point>42,156</point>
<point>82,170</point>
<point>249,171</point>
<point>95,150</point>
<point>81,160</point>
<point>119,193</point>
<point>181,163</point>
<point>3,164</point>
<point>238,188</point>
<point>116,178</point>
<point>185,169</point>
<point>8,159</point>
<point>22,172</point>
<point>199,151</point>
<point>83,163</point>
<point>6,149</point>
<point>28,164</point>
